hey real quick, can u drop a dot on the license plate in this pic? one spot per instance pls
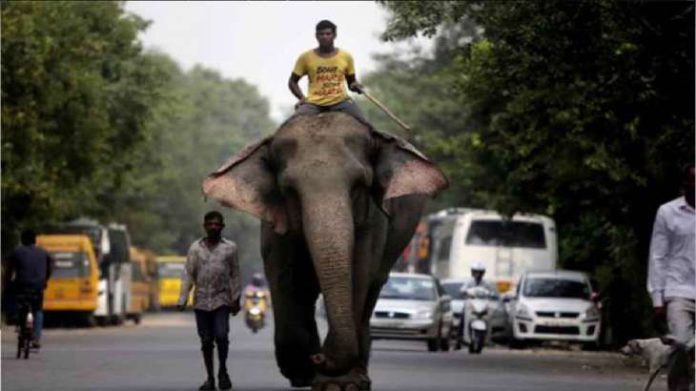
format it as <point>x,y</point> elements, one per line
<point>557,323</point>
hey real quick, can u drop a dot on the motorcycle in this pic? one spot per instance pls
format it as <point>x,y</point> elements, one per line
<point>477,326</point>
<point>255,309</point>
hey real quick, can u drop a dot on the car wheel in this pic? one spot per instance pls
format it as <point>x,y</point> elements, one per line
<point>445,344</point>
<point>433,344</point>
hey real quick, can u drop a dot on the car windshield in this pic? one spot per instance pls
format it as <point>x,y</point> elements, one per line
<point>406,288</point>
<point>171,270</point>
<point>453,289</point>
<point>69,265</point>
<point>553,287</point>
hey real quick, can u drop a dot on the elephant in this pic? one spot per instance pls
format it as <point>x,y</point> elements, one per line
<point>338,202</point>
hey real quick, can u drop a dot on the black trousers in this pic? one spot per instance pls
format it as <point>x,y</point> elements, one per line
<point>213,325</point>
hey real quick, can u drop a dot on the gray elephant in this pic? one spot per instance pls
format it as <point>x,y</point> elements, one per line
<point>338,203</point>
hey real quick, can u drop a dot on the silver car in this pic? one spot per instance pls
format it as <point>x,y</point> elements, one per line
<point>413,307</point>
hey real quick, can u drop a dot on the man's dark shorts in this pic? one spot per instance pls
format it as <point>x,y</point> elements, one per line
<point>213,324</point>
<point>347,106</point>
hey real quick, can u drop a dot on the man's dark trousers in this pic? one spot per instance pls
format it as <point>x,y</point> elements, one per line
<point>213,329</point>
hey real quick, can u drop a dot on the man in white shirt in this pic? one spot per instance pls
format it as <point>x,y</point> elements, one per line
<point>671,276</point>
<point>671,273</point>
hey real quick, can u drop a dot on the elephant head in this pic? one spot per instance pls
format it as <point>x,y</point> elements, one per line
<point>317,175</point>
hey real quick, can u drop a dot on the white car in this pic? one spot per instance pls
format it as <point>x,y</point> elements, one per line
<point>555,305</point>
<point>413,307</point>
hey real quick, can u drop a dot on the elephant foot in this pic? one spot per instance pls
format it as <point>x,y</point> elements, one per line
<point>355,380</point>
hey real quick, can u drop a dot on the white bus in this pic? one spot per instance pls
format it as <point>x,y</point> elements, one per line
<point>506,247</point>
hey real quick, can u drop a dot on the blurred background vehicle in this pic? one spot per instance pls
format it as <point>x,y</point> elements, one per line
<point>457,237</point>
<point>141,284</point>
<point>111,247</point>
<point>413,307</point>
<point>169,269</point>
<point>497,312</point>
<point>72,289</point>
<point>558,305</point>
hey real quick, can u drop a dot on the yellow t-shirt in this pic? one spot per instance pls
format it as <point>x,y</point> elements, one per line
<point>326,76</point>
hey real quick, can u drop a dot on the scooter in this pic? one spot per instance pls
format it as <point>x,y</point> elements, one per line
<point>255,310</point>
<point>476,328</point>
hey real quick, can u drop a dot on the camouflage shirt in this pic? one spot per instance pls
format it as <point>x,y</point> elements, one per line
<point>213,273</point>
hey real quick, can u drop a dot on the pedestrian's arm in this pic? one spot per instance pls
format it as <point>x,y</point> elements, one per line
<point>187,278</point>
<point>659,249</point>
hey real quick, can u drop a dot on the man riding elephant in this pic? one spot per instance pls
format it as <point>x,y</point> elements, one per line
<point>327,68</point>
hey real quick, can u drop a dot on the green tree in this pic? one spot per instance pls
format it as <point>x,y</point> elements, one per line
<point>76,92</point>
<point>581,110</point>
<point>201,121</point>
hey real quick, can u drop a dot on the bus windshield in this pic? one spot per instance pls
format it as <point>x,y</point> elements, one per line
<point>506,234</point>
<point>70,265</point>
<point>171,270</point>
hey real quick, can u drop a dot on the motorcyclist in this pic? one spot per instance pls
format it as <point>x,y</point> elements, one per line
<point>257,284</point>
<point>478,270</point>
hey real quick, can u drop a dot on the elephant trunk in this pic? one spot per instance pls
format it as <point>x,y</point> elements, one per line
<point>328,227</point>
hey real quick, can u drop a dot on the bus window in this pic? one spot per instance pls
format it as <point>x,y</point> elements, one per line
<point>171,270</point>
<point>443,252</point>
<point>70,265</point>
<point>506,234</point>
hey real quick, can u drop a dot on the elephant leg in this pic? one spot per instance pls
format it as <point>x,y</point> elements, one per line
<point>294,290</point>
<point>388,239</point>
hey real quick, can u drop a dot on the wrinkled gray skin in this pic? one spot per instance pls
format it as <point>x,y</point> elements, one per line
<point>338,203</point>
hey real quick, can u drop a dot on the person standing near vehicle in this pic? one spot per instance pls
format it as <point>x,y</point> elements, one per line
<point>212,270</point>
<point>672,262</point>
<point>31,267</point>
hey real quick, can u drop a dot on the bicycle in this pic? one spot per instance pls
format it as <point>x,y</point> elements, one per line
<point>25,323</point>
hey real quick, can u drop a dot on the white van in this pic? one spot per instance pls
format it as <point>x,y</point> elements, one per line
<point>506,247</point>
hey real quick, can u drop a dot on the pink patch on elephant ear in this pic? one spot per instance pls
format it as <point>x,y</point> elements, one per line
<point>415,176</point>
<point>245,183</point>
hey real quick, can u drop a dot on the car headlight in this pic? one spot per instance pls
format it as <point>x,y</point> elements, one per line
<point>423,314</point>
<point>522,311</point>
<point>592,313</point>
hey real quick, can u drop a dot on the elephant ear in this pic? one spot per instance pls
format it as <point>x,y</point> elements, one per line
<point>400,169</point>
<point>246,182</point>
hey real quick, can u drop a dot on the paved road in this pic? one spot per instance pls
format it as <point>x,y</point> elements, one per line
<point>163,354</point>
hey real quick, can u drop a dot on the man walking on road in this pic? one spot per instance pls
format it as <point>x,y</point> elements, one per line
<point>212,269</point>
<point>672,262</point>
<point>328,68</point>
<point>31,267</point>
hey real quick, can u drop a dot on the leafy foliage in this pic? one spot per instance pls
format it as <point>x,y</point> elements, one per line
<point>95,126</point>
<point>76,90</point>
<point>580,110</point>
